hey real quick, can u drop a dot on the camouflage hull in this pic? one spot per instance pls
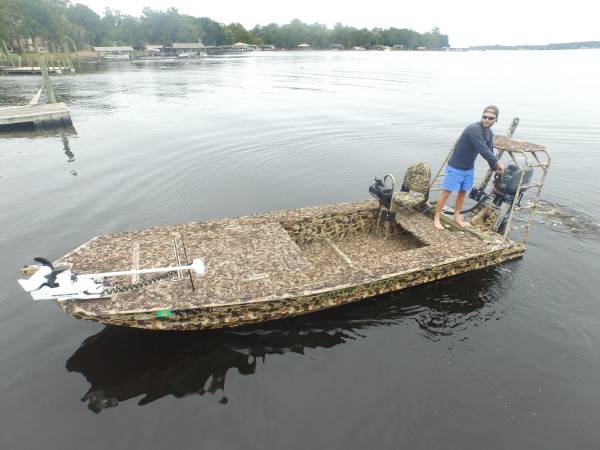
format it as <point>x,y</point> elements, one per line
<point>277,265</point>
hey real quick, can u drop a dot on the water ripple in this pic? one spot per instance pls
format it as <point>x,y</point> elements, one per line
<point>565,219</point>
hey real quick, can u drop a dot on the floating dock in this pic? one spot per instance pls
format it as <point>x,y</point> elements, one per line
<point>34,116</point>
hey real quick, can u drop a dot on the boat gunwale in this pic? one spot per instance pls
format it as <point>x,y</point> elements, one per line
<point>513,245</point>
<point>506,254</point>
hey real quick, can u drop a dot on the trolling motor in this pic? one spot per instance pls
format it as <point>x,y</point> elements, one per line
<point>49,283</point>
<point>383,194</point>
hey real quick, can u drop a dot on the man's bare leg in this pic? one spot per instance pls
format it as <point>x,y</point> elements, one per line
<point>438,209</point>
<point>460,201</point>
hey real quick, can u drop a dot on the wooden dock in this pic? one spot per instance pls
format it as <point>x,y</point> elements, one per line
<point>32,70</point>
<point>36,115</point>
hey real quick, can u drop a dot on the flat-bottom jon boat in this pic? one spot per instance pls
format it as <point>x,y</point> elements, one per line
<point>237,271</point>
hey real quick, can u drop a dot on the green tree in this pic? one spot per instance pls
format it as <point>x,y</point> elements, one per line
<point>60,20</point>
<point>9,20</point>
<point>212,32</point>
<point>160,27</point>
<point>269,34</point>
<point>39,19</point>
<point>341,36</point>
<point>86,23</point>
<point>235,32</point>
<point>188,30</point>
<point>433,39</point>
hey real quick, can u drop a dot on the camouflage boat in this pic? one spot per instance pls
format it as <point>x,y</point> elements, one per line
<point>237,271</point>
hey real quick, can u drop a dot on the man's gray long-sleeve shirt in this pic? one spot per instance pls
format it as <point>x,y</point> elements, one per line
<point>473,140</point>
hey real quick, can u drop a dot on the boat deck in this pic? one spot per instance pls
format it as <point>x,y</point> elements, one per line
<point>277,256</point>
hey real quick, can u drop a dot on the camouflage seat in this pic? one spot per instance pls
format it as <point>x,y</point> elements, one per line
<point>415,187</point>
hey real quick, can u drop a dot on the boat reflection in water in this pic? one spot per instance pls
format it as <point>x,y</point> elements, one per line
<point>123,363</point>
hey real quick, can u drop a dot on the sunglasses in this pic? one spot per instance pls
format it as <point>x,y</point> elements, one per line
<point>484,117</point>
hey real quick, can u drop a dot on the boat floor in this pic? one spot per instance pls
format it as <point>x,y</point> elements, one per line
<point>273,256</point>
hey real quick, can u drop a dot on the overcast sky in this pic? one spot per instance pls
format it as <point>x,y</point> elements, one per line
<point>466,22</point>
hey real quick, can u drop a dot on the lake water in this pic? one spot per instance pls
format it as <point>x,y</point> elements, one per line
<point>503,358</point>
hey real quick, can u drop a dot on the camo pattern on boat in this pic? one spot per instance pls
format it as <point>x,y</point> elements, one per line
<point>485,218</point>
<point>276,265</point>
<point>407,200</point>
<point>509,144</point>
<point>254,312</point>
<point>416,179</point>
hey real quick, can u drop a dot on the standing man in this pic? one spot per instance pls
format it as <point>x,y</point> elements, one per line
<point>477,138</point>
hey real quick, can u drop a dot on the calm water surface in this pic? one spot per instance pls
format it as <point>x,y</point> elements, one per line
<point>503,358</point>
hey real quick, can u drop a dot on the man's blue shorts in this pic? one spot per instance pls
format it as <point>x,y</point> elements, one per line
<point>458,180</point>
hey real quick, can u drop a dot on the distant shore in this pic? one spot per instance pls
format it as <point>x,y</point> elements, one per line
<point>557,46</point>
<point>32,59</point>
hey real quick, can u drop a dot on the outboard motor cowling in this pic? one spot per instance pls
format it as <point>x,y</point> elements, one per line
<point>508,182</point>
<point>505,191</point>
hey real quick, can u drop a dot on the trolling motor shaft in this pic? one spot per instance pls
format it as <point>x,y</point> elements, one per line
<point>48,283</point>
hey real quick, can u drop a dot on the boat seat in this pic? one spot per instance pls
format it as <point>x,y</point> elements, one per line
<point>415,187</point>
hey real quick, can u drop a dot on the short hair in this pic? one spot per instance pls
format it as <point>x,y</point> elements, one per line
<point>492,108</point>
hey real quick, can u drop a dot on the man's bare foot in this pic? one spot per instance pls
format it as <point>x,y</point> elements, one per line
<point>458,221</point>
<point>437,224</point>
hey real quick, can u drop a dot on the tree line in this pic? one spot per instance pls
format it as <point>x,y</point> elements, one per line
<point>60,21</point>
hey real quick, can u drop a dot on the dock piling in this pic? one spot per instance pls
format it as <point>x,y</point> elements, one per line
<point>65,48</point>
<point>8,54</point>
<point>47,84</point>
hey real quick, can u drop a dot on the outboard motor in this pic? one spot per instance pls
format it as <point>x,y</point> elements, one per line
<point>505,191</point>
<point>382,193</point>
<point>506,185</point>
